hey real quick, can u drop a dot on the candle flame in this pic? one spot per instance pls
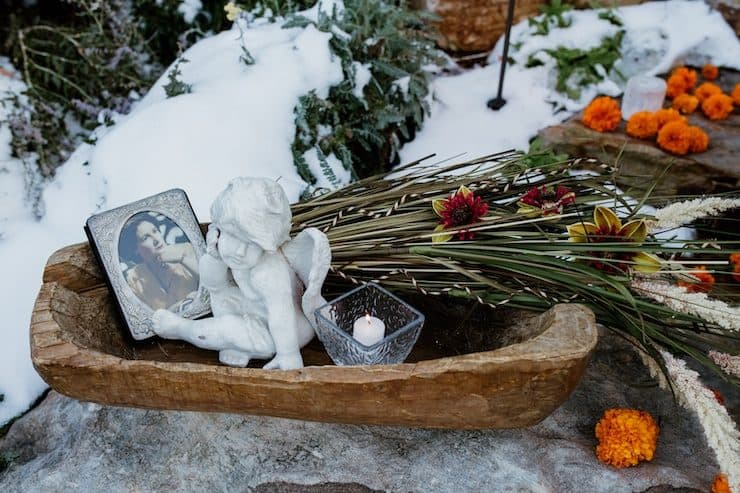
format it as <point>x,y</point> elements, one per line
<point>367,317</point>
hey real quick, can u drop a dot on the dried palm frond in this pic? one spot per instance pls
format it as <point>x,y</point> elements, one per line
<point>381,229</point>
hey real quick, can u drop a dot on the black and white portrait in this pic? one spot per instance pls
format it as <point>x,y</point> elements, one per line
<point>158,261</point>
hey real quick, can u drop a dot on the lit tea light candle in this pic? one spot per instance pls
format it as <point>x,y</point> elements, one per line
<point>368,330</point>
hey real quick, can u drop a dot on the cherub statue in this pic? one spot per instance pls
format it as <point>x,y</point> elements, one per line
<point>264,286</point>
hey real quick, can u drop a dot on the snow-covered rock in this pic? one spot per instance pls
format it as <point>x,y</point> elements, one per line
<point>238,119</point>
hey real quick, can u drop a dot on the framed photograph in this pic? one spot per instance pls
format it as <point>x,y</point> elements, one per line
<point>149,251</point>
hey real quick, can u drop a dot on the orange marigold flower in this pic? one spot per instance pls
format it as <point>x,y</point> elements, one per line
<point>602,114</point>
<point>704,283</point>
<point>642,125</point>
<point>685,103</point>
<point>735,261</point>
<point>736,94</point>
<point>681,81</point>
<point>687,75</point>
<point>668,115</point>
<point>698,139</point>
<point>707,89</point>
<point>709,71</point>
<point>720,484</point>
<point>674,87</point>
<point>717,107</point>
<point>626,437</point>
<point>675,138</point>
<point>718,396</point>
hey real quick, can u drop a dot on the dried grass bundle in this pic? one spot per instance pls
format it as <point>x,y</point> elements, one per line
<point>381,229</point>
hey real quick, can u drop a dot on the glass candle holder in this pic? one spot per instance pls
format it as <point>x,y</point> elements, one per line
<point>396,324</point>
<point>643,93</point>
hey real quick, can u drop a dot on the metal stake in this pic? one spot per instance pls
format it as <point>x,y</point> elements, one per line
<point>498,102</point>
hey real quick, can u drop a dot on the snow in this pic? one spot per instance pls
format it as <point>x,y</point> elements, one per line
<point>362,78</point>
<point>696,34</point>
<point>238,120</point>
<point>342,176</point>
<point>402,85</point>
<point>189,9</point>
<point>13,203</point>
<point>21,260</point>
<point>339,33</point>
<point>666,33</point>
<point>462,123</point>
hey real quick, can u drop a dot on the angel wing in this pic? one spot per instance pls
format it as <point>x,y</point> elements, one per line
<point>309,254</point>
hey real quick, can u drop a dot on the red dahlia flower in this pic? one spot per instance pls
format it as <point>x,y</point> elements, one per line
<point>462,208</point>
<point>545,201</point>
<point>703,283</point>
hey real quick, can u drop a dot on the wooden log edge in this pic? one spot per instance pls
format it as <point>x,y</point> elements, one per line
<point>462,392</point>
<point>561,340</point>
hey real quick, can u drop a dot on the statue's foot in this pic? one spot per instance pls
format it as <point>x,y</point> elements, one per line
<point>232,357</point>
<point>166,324</point>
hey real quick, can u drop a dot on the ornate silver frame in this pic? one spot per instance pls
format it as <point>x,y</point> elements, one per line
<point>104,231</point>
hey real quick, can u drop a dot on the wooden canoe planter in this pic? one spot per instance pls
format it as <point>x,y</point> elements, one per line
<point>79,349</point>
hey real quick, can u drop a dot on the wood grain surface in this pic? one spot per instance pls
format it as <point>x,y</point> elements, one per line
<point>525,367</point>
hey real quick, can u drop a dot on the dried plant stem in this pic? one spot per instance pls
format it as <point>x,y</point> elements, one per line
<point>729,364</point>
<point>680,213</point>
<point>699,304</point>
<point>719,428</point>
<point>380,230</point>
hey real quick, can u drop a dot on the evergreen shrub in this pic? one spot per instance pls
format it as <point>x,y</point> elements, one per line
<point>386,51</point>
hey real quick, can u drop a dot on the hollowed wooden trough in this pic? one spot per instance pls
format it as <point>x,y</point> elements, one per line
<point>524,368</point>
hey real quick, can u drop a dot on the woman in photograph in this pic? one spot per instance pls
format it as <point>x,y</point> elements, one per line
<point>165,275</point>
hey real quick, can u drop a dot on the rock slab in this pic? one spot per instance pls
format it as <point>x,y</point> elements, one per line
<point>65,444</point>
<point>641,162</point>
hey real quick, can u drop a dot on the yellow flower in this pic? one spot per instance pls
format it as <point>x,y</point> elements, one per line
<point>232,11</point>
<point>626,437</point>
<point>607,227</point>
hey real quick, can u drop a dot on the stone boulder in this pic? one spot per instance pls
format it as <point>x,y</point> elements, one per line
<point>64,445</point>
<point>642,162</point>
